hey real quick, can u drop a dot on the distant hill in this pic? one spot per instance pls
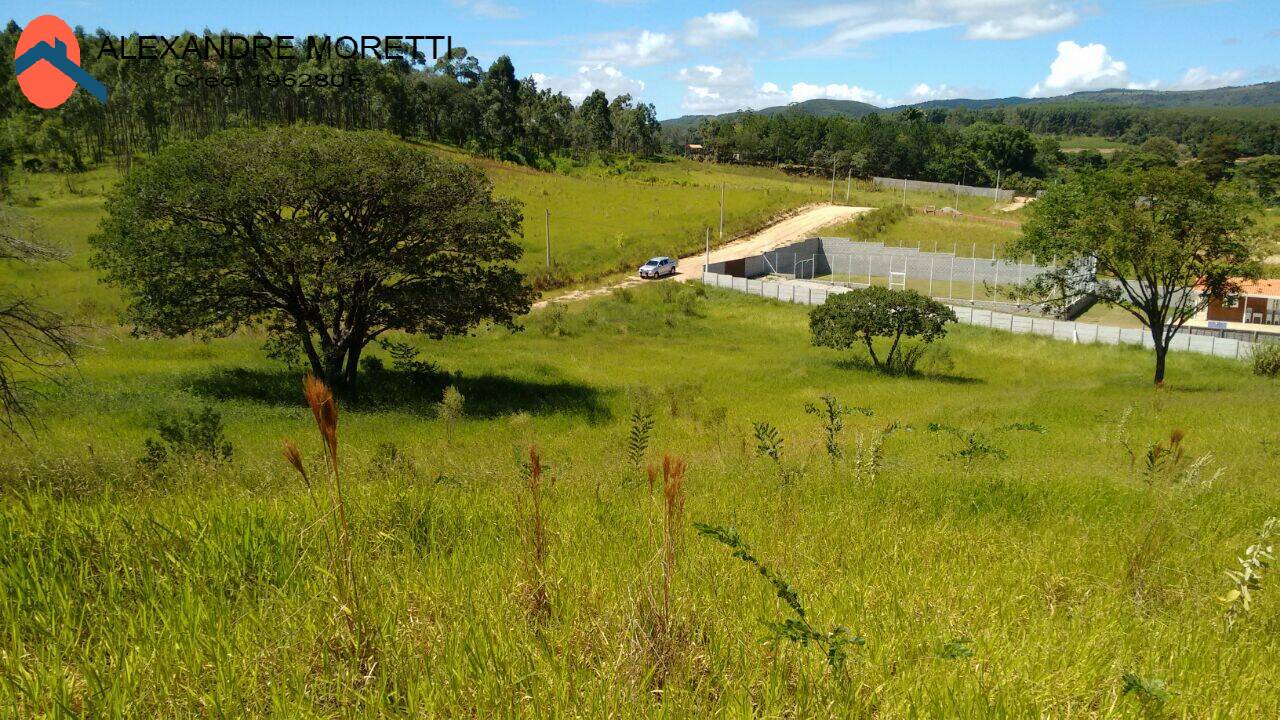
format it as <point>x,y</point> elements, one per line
<point>1259,95</point>
<point>818,108</point>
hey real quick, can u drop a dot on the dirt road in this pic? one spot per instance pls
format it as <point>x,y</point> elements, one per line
<point>796,227</point>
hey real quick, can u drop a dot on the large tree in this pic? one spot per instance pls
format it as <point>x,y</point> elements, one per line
<point>326,238</point>
<point>34,342</point>
<point>1161,242</point>
<point>861,316</point>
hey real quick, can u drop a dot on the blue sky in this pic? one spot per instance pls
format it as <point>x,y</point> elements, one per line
<point>698,56</point>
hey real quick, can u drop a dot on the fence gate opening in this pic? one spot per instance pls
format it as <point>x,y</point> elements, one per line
<point>897,280</point>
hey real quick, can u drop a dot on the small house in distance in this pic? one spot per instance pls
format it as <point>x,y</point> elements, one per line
<point>1255,309</point>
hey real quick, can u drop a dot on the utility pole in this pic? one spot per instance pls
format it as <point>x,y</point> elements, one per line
<point>548,237</point>
<point>997,198</point>
<point>833,182</point>
<point>848,185</point>
<point>721,214</point>
<point>706,259</point>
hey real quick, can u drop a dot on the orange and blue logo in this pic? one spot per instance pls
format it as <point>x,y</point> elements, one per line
<point>47,64</point>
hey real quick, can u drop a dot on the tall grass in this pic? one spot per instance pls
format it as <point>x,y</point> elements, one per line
<point>210,590</point>
<point>342,562</point>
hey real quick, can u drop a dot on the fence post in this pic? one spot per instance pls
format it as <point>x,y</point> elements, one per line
<point>973,277</point>
<point>810,300</point>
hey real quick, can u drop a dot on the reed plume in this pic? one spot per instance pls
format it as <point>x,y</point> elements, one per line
<point>325,411</point>
<point>539,597</point>
<point>660,636</point>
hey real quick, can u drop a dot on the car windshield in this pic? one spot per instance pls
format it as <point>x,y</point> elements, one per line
<point>651,263</point>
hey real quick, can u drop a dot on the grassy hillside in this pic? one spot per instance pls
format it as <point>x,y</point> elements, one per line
<point>967,236</point>
<point>603,220</point>
<point>984,587</point>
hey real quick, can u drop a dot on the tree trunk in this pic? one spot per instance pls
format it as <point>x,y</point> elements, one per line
<point>353,366</point>
<point>333,374</point>
<point>1161,345</point>
<point>871,349</point>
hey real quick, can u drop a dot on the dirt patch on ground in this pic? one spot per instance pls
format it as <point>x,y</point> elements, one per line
<point>798,225</point>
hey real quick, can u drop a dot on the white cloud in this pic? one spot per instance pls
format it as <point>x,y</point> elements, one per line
<point>1083,67</point>
<point>858,21</point>
<point>713,89</point>
<point>802,91</point>
<point>1200,78</point>
<point>491,9</point>
<point>647,48</point>
<point>924,92</point>
<point>589,78</point>
<point>717,27</point>
<point>1018,27</point>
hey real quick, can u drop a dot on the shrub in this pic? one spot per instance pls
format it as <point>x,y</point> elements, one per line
<point>451,409</point>
<point>404,358</point>
<point>832,415</point>
<point>798,629</point>
<point>684,297</point>
<point>549,278</point>
<point>877,312</point>
<point>1257,559</point>
<point>194,434</point>
<point>554,321</point>
<point>638,438</point>
<point>869,226</point>
<point>1265,358</point>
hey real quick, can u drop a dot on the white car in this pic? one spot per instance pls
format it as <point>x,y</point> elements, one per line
<point>657,267</point>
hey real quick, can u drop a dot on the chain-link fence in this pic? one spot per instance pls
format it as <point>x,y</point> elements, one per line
<point>950,188</point>
<point>938,274</point>
<point>807,292</point>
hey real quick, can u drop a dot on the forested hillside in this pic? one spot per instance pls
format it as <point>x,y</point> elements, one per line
<point>1015,146</point>
<point>1260,95</point>
<point>451,99</point>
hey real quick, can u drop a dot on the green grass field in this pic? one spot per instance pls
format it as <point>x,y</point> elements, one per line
<point>987,587</point>
<point>1076,143</point>
<point>967,237</point>
<point>602,223</point>
<point>1004,573</point>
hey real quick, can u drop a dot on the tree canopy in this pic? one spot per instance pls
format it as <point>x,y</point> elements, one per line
<point>861,316</point>
<point>326,238</point>
<point>1163,242</point>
